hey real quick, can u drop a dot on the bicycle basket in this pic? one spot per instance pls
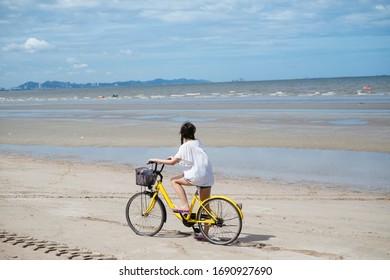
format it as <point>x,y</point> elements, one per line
<point>144,176</point>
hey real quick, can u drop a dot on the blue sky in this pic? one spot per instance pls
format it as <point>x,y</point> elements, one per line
<point>105,41</point>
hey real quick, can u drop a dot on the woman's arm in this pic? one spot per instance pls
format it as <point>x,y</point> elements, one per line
<point>170,161</point>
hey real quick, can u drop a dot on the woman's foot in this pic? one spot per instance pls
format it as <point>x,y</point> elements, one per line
<point>200,237</point>
<point>181,211</point>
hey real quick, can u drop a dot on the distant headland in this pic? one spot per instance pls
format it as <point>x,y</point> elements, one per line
<point>64,85</point>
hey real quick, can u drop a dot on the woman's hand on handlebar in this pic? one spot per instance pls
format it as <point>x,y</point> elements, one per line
<point>169,161</point>
<point>156,161</point>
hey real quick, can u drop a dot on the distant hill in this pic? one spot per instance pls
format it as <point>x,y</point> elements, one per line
<point>61,85</point>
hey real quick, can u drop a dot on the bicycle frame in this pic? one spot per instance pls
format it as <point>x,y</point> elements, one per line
<point>195,199</point>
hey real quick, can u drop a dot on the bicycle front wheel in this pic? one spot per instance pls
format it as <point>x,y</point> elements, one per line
<point>145,224</point>
<point>227,223</point>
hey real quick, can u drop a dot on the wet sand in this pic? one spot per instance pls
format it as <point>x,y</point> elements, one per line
<point>346,126</point>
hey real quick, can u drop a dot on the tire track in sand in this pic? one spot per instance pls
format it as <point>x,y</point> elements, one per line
<point>60,250</point>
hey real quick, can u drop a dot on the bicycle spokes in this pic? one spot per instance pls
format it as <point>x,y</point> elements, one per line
<point>219,221</point>
<point>145,213</point>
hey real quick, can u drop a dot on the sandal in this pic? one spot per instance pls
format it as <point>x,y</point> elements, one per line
<point>200,237</point>
<point>181,211</point>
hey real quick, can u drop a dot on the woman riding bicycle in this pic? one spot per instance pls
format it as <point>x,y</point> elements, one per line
<point>197,167</point>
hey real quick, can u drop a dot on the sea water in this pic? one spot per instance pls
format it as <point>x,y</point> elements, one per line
<point>359,171</point>
<point>326,87</point>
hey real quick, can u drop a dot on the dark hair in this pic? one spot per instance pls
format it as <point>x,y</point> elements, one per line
<point>187,131</point>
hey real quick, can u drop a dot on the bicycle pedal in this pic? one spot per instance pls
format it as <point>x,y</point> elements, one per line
<point>196,229</point>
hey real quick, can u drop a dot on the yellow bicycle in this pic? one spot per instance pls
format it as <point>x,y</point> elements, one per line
<point>218,218</point>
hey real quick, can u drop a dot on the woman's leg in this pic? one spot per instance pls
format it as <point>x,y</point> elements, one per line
<point>177,184</point>
<point>205,193</point>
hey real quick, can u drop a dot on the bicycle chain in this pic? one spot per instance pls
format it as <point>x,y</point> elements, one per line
<point>60,250</point>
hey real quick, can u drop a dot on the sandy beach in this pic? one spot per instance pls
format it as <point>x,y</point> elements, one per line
<point>82,207</point>
<point>58,209</point>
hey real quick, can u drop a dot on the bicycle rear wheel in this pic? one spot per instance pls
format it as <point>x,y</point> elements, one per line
<point>228,222</point>
<point>145,224</point>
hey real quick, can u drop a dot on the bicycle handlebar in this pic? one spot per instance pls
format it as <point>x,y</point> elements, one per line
<point>158,172</point>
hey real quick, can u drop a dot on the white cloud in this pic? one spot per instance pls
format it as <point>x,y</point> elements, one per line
<point>384,8</point>
<point>281,15</point>
<point>377,16</point>
<point>15,5</point>
<point>178,16</point>
<point>77,65</point>
<point>127,52</point>
<point>80,66</point>
<point>31,45</point>
<point>64,4</point>
<point>71,60</point>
